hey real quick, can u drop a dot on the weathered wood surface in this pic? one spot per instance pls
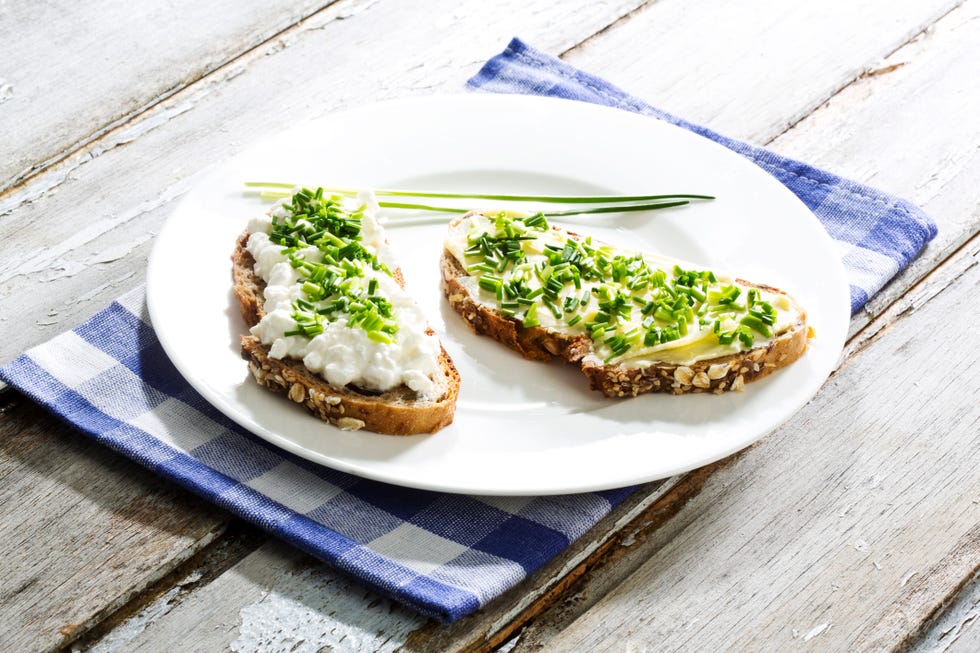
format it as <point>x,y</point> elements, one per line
<point>84,530</point>
<point>97,63</point>
<point>92,224</point>
<point>192,621</point>
<point>751,70</point>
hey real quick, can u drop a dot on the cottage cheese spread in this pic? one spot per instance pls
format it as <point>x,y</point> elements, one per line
<point>344,354</point>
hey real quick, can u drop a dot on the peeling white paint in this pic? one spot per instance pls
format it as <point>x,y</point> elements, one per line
<point>53,177</point>
<point>119,637</point>
<point>586,550</point>
<point>137,129</point>
<point>95,292</point>
<point>6,91</point>
<point>120,251</point>
<point>51,260</point>
<point>816,630</point>
<point>311,611</point>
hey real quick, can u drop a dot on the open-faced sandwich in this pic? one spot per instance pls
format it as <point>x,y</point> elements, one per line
<point>634,322</point>
<point>331,325</point>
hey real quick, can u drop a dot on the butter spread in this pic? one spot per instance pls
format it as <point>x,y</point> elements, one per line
<point>334,304</point>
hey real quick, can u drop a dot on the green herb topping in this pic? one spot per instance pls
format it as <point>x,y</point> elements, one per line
<point>619,298</point>
<point>340,286</point>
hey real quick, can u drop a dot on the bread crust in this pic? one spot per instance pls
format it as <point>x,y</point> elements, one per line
<point>394,412</point>
<point>717,375</point>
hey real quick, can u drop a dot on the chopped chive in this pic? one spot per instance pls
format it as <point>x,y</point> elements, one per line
<point>756,324</point>
<point>531,316</point>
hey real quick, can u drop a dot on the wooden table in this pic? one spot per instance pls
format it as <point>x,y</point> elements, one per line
<point>855,526</point>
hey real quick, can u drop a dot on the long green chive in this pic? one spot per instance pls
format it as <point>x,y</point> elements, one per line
<point>557,199</point>
<point>620,203</point>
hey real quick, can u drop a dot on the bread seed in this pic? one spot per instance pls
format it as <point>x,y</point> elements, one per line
<point>717,371</point>
<point>684,375</point>
<point>296,393</point>
<point>701,380</point>
<point>350,424</point>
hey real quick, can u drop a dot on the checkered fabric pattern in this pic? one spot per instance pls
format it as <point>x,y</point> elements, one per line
<point>444,555</point>
<point>877,234</point>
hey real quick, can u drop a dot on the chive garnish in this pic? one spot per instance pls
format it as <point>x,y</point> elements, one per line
<point>636,304</point>
<point>341,286</point>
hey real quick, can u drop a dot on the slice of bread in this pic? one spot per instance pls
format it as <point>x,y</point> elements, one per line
<point>622,378</point>
<point>398,411</point>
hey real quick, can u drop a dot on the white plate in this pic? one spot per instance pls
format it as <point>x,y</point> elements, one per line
<point>521,427</point>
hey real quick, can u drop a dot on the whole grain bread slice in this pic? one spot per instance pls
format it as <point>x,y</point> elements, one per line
<point>717,375</point>
<point>395,412</point>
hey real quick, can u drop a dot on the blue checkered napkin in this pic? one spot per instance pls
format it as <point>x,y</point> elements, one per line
<point>444,555</point>
<point>877,234</point>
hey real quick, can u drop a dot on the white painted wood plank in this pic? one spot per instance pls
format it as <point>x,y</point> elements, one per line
<point>750,70</point>
<point>83,531</point>
<point>277,599</point>
<point>71,69</point>
<point>848,527</point>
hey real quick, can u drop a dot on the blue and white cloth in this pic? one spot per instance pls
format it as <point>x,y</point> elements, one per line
<point>444,555</point>
<point>877,234</point>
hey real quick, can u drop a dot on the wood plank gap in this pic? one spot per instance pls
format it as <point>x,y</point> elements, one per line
<point>956,629</point>
<point>73,631</point>
<point>613,25</point>
<point>27,176</point>
<point>623,531</point>
<point>615,562</point>
<point>927,288</point>
<point>926,598</point>
<point>155,600</point>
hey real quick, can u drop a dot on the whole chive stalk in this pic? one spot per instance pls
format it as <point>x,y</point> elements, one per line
<point>552,199</point>
<point>621,203</point>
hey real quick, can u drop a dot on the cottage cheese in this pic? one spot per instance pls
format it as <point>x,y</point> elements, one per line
<point>341,354</point>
